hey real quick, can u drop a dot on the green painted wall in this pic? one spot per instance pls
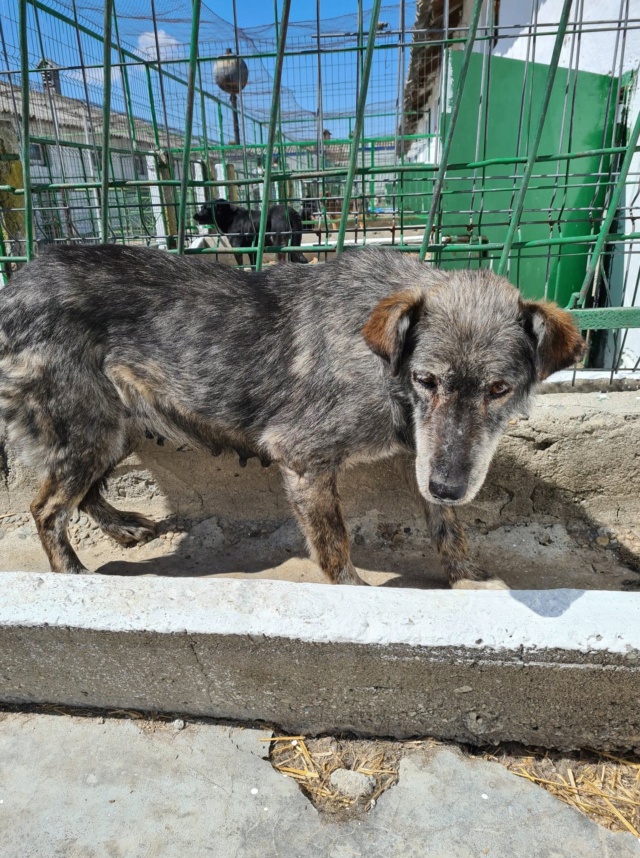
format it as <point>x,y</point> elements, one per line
<point>565,198</point>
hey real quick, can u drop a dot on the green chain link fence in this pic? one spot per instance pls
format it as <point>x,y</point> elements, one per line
<point>500,134</point>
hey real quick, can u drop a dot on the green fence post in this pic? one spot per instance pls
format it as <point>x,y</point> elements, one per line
<point>26,158</point>
<point>446,148</point>
<point>579,297</point>
<point>273,121</point>
<point>132,127</point>
<point>152,107</point>
<point>357,131</point>
<point>533,151</point>
<point>106,120</point>
<point>191,83</point>
<point>205,134</point>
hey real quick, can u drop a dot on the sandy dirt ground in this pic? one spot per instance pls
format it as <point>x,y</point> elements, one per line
<point>531,554</point>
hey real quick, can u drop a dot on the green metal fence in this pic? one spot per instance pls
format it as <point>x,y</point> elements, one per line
<point>501,134</point>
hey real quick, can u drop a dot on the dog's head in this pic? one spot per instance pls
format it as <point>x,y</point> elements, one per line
<point>468,352</point>
<point>218,213</point>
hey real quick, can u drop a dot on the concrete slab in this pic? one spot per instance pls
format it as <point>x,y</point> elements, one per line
<point>557,668</point>
<point>88,788</point>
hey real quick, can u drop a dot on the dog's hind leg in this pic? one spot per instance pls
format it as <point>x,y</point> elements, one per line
<point>126,528</point>
<point>450,541</point>
<point>71,424</point>
<point>59,495</point>
<point>317,506</point>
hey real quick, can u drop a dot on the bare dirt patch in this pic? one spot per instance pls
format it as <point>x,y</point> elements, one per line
<point>312,762</point>
<point>604,787</point>
<point>543,553</point>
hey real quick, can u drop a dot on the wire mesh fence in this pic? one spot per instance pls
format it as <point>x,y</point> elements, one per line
<point>496,133</point>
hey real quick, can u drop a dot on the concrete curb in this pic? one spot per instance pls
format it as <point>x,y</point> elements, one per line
<point>557,668</point>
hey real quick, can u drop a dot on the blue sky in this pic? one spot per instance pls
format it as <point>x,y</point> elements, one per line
<point>253,13</point>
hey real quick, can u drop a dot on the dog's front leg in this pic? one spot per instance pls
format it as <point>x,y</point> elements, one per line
<point>450,541</point>
<point>316,503</point>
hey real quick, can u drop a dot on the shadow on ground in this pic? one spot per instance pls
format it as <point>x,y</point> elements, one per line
<point>532,533</point>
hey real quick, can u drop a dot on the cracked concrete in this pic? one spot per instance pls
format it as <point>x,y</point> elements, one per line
<point>89,787</point>
<point>201,667</point>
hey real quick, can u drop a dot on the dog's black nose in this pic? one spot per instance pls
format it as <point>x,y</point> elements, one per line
<point>447,491</point>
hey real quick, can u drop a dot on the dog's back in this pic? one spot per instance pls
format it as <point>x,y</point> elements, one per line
<point>129,329</point>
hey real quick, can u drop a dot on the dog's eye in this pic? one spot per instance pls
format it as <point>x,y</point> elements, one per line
<point>498,389</point>
<point>428,381</point>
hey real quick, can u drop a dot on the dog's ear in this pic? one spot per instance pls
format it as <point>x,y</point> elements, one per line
<point>558,341</point>
<point>386,328</point>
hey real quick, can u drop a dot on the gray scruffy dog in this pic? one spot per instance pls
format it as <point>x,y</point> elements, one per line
<point>311,367</point>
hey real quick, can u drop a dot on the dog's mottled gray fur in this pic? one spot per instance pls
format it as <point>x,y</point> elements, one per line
<point>311,367</point>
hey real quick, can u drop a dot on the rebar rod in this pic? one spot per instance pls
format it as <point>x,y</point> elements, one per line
<point>188,124</point>
<point>453,117</point>
<point>533,151</point>
<point>357,130</point>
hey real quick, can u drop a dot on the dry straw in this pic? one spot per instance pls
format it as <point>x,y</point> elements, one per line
<point>604,787</point>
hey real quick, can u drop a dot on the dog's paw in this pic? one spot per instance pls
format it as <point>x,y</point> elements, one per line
<point>489,584</point>
<point>74,570</point>
<point>132,529</point>
<point>349,575</point>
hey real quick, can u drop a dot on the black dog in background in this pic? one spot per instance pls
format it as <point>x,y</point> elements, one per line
<point>241,226</point>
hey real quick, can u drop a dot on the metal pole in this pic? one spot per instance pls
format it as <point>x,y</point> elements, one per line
<point>92,196</point>
<point>26,163</point>
<point>234,104</point>
<point>282,155</point>
<point>578,297</point>
<point>106,119</point>
<point>188,126</point>
<point>444,158</point>
<point>133,141</point>
<point>152,109</point>
<point>273,122</point>
<point>169,201</point>
<point>533,151</point>
<point>319,112</point>
<point>233,98</point>
<point>357,130</point>
<point>205,135</point>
